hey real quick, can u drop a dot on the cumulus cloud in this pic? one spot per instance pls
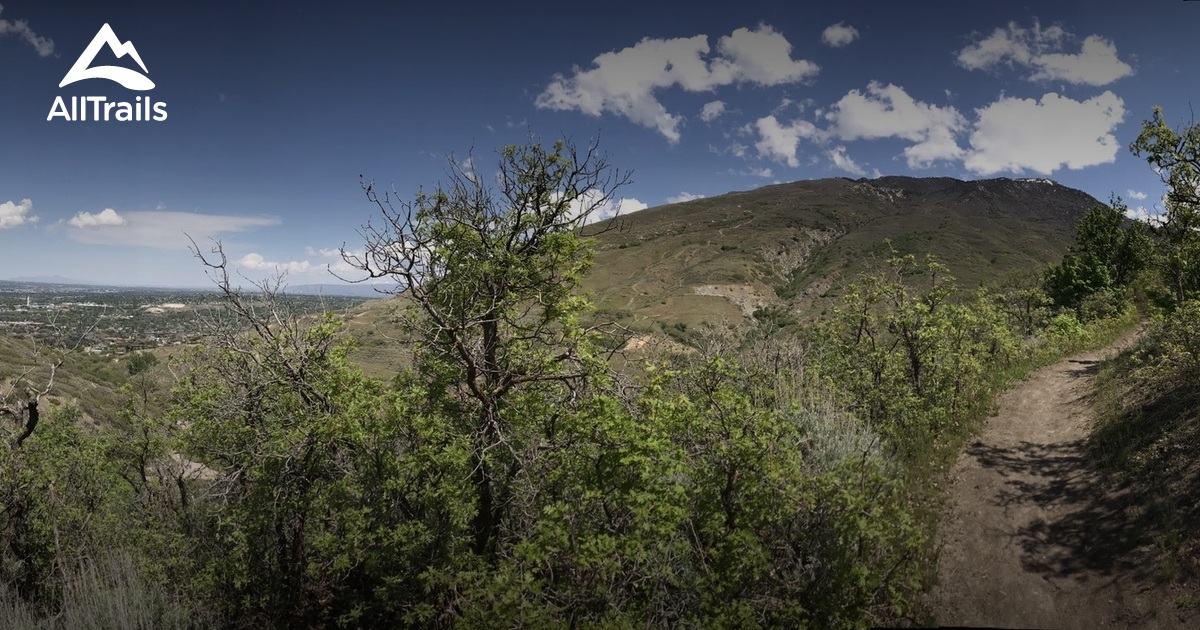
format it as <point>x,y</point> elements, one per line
<point>838,156</point>
<point>887,111</point>
<point>258,263</point>
<point>1136,194</point>
<point>618,207</point>
<point>14,214</point>
<point>761,56</point>
<point>1015,134</point>
<point>20,28</point>
<point>164,229</point>
<point>624,82</point>
<point>712,110</point>
<point>780,142</point>
<point>839,35</point>
<point>108,216</point>
<point>1040,50</point>
<point>601,209</point>
<point>683,196</point>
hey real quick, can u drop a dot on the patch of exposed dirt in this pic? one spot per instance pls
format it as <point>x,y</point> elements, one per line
<point>649,345</point>
<point>1031,536</point>
<point>745,296</point>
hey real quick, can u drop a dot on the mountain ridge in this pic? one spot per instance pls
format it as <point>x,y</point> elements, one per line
<point>793,245</point>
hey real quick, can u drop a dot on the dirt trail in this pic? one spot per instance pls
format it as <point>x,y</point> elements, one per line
<point>1030,537</point>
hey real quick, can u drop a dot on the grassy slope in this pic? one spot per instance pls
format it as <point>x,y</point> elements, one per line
<point>1146,437</point>
<point>794,244</point>
<point>90,381</point>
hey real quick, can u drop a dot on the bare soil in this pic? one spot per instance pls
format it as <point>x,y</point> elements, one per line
<point>1032,537</point>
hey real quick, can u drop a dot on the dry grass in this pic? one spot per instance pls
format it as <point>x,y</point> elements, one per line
<point>108,594</point>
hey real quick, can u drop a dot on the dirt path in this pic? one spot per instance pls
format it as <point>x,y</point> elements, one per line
<point>1030,537</point>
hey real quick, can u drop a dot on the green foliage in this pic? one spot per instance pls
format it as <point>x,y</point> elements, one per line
<point>1147,426</point>
<point>320,485</point>
<point>51,487</point>
<point>140,362</point>
<point>775,317</point>
<point>507,476</point>
<point>1025,307</point>
<point>908,358</point>
<point>490,273</point>
<point>1108,253</point>
<point>1175,156</point>
<point>694,506</point>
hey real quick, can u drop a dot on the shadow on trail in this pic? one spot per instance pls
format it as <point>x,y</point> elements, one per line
<point>1085,526</point>
<point>1080,524</point>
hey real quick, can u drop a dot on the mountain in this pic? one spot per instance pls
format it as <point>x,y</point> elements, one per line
<point>49,280</point>
<point>717,260</point>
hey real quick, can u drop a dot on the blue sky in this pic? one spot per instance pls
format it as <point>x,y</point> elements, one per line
<point>275,109</point>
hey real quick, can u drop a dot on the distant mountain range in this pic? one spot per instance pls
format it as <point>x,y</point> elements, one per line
<point>48,280</point>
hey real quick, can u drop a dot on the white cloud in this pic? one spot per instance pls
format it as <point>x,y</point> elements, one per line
<point>621,207</point>
<point>712,110</point>
<point>735,148</point>
<point>839,35</point>
<point>762,57</point>
<point>334,262</point>
<point>1097,64</point>
<point>604,209</point>
<point>683,197</point>
<point>838,156</point>
<point>1014,134</point>
<point>889,112</point>
<point>1040,50</point>
<point>20,28</point>
<point>762,172</point>
<point>780,142</point>
<point>467,166</point>
<point>166,229</point>
<point>624,82</point>
<point>13,214</point>
<point>1142,214</point>
<point>1136,194</point>
<point>258,263</point>
<point>108,216</point>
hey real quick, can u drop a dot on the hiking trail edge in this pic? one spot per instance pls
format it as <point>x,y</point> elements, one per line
<point>1030,536</point>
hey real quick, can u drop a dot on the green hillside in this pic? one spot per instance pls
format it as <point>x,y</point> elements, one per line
<point>719,259</point>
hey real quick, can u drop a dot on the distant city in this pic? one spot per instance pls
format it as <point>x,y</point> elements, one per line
<point>117,320</point>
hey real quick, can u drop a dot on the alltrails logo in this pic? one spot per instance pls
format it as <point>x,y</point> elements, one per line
<point>99,107</point>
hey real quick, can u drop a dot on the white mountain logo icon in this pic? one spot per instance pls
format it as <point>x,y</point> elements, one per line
<point>131,79</point>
